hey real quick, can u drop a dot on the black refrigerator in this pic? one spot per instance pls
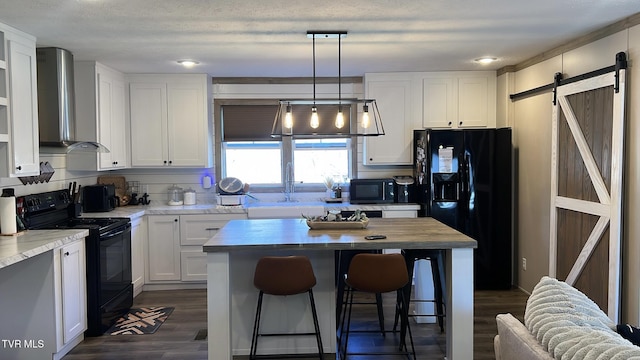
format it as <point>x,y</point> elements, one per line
<point>464,180</point>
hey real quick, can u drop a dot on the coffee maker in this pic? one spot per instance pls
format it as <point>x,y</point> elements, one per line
<point>405,189</point>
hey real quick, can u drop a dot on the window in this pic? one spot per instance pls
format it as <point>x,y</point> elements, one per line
<point>249,153</point>
<point>317,159</point>
<point>254,162</point>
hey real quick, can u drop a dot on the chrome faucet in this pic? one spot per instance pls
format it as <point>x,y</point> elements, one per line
<point>289,182</point>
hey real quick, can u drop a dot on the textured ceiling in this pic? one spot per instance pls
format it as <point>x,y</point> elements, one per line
<point>268,37</point>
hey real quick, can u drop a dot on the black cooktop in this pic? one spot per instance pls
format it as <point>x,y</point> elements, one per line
<point>50,210</point>
<point>90,223</point>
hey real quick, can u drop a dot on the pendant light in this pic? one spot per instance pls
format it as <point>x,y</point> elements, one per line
<point>340,115</point>
<point>348,109</point>
<point>315,121</point>
<point>288,118</point>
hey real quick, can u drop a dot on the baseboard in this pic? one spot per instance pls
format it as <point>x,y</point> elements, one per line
<point>176,286</point>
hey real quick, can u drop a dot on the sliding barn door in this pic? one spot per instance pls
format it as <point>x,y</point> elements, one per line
<point>586,188</point>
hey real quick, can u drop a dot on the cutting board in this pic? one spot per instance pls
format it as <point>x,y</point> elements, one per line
<point>120,184</point>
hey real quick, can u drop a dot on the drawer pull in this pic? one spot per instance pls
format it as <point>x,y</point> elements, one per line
<point>214,228</point>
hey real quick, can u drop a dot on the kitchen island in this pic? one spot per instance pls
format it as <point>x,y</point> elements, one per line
<point>233,252</point>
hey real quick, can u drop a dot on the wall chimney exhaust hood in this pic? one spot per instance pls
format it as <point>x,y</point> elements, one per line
<point>56,103</point>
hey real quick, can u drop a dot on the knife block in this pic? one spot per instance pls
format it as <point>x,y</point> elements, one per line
<point>74,210</point>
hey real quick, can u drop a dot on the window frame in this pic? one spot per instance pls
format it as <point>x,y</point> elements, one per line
<point>286,148</point>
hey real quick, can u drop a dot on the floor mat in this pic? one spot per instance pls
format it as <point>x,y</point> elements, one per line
<point>140,321</point>
<point>201,335</point>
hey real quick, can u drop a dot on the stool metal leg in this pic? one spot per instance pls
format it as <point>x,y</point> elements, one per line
<point>437,269</point>
<point>316,325</point>
<point>256,333</point>
<point>256,325</point>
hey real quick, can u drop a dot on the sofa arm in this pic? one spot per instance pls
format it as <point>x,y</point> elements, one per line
<point>516,342</point>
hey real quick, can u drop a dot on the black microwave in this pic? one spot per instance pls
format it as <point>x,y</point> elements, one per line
<point>372,191</point>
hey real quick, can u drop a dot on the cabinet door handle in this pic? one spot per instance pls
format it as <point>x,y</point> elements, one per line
<point>170,162</point>
<point>66,254</point>
<point>19,167</point>
<point>175,220</point>
<point>165,161</point>
<point>215,228</point>
<point>450,123</point>
<point>460,123</point>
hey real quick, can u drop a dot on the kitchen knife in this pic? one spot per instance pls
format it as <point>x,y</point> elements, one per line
<point>76,197</point>
<point>70,188</point>
<point>73,193</point>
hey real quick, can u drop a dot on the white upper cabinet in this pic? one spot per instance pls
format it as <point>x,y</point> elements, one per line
<point>19,153</point>
<point>393,95</point>
<point>417,100</point>
<point>459,99</point>
<point>100,116</point>
<point>170,120</point>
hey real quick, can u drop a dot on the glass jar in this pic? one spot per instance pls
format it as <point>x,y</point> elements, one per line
<point>175,195</point>
<point>189,197</point>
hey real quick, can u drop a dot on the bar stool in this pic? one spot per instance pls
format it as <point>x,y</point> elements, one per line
<point>376,273</point>
<point>282,276</point>
<point>342,261</point>
<point>436,258</point>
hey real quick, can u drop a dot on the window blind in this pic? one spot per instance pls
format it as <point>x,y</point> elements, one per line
<point>247,122</point>
<point>254,122</point>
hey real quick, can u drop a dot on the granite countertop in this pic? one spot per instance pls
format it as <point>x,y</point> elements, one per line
<point>30,243</point>
<point>136,211</point>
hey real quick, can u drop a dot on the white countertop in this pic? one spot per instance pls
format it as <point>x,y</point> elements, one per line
<point>31,243</point>
<point>136,211</point>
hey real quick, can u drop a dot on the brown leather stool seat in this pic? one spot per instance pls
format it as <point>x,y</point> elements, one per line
<point>283,276</point>
<point>376,273</point>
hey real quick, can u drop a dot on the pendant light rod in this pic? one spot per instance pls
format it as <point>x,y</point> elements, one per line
<point>339,67</point>
<point>314,69</point>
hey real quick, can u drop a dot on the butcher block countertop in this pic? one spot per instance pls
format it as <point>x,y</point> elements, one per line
<point>406,233</point>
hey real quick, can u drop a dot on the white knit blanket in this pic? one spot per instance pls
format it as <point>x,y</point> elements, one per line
<point>571,326</point>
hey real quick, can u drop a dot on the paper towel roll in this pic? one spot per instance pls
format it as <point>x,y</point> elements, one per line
<point>8,223</point>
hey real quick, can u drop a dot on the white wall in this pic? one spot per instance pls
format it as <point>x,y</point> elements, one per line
<point>532,131</point>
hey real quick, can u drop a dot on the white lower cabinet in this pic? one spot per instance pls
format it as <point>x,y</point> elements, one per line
<point>175,245</point>
<point>138,236</point>
<point>71,299</point>
<point>399,214</point>
<point>163,247</point>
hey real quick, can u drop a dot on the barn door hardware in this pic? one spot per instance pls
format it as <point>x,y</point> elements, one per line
<point>556,82</point>
<point>620,64</point>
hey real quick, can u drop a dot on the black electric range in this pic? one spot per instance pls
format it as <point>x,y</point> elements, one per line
<point>108,253</point>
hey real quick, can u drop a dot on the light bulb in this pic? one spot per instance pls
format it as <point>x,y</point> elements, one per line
<point>340,119</point>
<point>365,117</point>
<point>288,118</point>
<point>315,122</point>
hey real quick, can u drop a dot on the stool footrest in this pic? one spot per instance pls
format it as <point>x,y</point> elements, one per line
<point>288,334</point>
<point>285,356</point>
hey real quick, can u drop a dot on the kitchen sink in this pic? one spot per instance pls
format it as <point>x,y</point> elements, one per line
<point>284,210</point>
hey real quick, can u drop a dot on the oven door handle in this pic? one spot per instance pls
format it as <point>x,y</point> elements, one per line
<point>115,232</point>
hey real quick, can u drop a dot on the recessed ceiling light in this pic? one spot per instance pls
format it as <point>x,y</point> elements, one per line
<point>188,63</point>
<point>485,60</point>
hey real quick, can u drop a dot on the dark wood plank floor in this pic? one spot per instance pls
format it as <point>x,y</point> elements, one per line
<point>175,340</point>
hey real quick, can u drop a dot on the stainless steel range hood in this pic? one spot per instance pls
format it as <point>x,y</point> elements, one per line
<point>56,102</point>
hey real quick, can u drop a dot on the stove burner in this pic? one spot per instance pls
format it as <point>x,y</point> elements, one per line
<point>101,222</point>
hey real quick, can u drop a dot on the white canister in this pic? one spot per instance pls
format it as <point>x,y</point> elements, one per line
<point>8,224</point>
<point>189,197</point>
